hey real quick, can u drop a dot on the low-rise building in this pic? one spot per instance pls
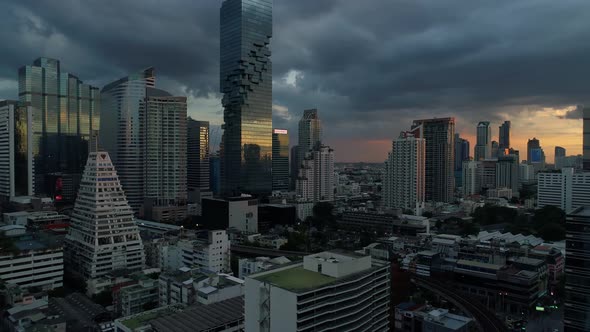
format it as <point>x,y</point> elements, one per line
<point>188,287</point>
<point>410,317</point>
<point>136,298</point>
<point>247,266</point>
<point>240,213</point>
<point>212,253</point>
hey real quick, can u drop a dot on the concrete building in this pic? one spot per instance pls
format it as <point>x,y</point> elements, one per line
<point>103,235</point>
<point>316,294</point>
<point>488,173</point>
<point>212,253</point>
<point>404,181</point>
<point>310,132</point>
<point>316,175</point>
<point>280,160</point>
<point>197,155</point>
<point>440,157</point>
<point>526,174</point>
<point>586,140</point>
<point>566,190</point>
<point>535,154</point>
<point>134,299</point>
<point>577,308</point>
<point>504,136</point>
<point>471,178</point>
<point>240,213</point>
<point>32,259</point>
<point>16,150</point>
<point>462,152</point>
<point>190,286</point>
<point>507,173</point>
<point>411,317</point>
<point>483,145</point>
<point>248,266</point>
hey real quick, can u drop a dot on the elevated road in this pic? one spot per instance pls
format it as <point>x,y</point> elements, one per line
<point>249,250</point>
<point>485,319</point>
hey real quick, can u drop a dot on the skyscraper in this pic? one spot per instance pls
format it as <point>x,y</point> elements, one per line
<point>310,135</point>
<point>404,182</point>
<point>165,161</point>
<point>65,112</point>
<point>472,176</point>
<point>504,137</point>
<point>559,157</point>
<point>440,156</point>
<point>316,175</point>
<point>483,146</point>
<point>123,130</point>
<point>535,154</point>
<point>586,140</point>
<point>246,85</point>
<point>496,150</point>
<point>559,152</point>
<point>103,236</point>
<point>461,154</point>
<point>295,165</point>
<point>280,159</point>
<point>507,173</point>
<point>16,149</point>
<point>198,155</point>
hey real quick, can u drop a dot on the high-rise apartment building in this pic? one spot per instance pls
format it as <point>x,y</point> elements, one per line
<point>461,154</point>
<point>246,85</point>
<point>123,130</point>
<point>567,190</point>
<point>404,182</point>
<point>310,132</point>
<point>507,173</point>
<point>165,160</point>
<point>65,112</point>
<point>103,236</point>
<point>577,288</point>
<point>535,154</point>
<point>559,152</point>
<point>316,175</point>
<point>496,150</point>
<point>295,164</point>
<point>586,140</point>
<point>471,174</point>
<point>483,146</point>
<point>280,159</point>
<point>16,150</point>
<point>197,155</point>
<point>295,297</point>
<point>440,156</point>
<point>504,136</point>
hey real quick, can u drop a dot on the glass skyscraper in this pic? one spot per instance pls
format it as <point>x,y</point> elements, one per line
<point>280,159</point>
<point>197,155</point>
<point>246,85</point>
<point>65,112</point>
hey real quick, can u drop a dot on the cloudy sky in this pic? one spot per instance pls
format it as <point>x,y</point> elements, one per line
<point>369,66</point>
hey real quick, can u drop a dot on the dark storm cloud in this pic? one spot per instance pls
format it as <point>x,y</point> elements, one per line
<point>369,66</point>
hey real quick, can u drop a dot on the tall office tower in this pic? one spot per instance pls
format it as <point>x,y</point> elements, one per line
<point>310,132</point>
<point>246,84</point>
<point>504,137</point>
<point>559,157</point>
<point>165,161</point>
<point>471,178</point>
<point>566,189</point>
<point>507,173</point>
<point>440,156</point>
<point>295,165</point>
<point>16,150</point>
<point>123,130</point>
<point>559,152</point>
<point>535,154</point>
<point>316,175</point>
<point>65,111</point>
<point>404,183</point>
<point>284,299</point>
<point>215,173</point>
<point>197,155</point>
<point>103,236</point>
<point>577,289</point>
<point>280,159</point>
<point>461,154</point>
<point>586,140</point>
<point>496,150</point>
<point>483,146</point>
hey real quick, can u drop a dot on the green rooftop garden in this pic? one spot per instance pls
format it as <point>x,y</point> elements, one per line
<point>296,279</point>
<point>143,319</point>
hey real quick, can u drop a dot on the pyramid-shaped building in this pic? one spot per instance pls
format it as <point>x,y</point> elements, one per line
<point>103,236</point>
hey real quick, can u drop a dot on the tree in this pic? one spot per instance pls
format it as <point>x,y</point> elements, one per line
<point>552,232</point>
<point>104,298</point>
<point>323,215</point>
<point>548,215</point>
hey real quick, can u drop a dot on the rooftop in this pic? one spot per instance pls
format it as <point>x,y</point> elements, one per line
<point>144,318</point>
<point>296,279</point>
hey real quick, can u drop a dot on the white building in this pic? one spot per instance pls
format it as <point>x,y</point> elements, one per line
<point>335,290</point>
<point>16,149</point>
<point>566,190</point>
<point>248,266</point>
<point>103,236</point>
<point>316,175</point>
<point>471,178</point>
<point>212,254</point>
<point>404,183</point>
<point>526,173</point>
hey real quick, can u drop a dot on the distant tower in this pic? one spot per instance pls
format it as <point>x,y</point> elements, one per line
<point>316,175</point>
<point>586,140</point>
<point>280,159</point>
<point>483,146</point>
<point>310,132</point>
<point>404,185</point>
<point>504,137</point>
<point>461,154</point>
<point>197,155</point>
<point>103,236</point>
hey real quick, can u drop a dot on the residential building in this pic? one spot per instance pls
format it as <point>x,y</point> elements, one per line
<point>575,162</point>
<point>411,317</point>
<point>535,154</point>
<point>136,298</point>
<point>471,178</point>
<point>16,150</point>
<point>577,288</point>
<point>461,154</point>
<point>504,136</point>
<point>300,296</point>
<point>31,259</point>
<point>240,213</point>
<point>439,135</point>
<point>215,174</point>
<point>586,140</point>
<point>488,173</point>
<point>65,111</point>
<point>310,132</point>
<point>566,190</point>
<point>246,29</point>
<point>197,155</point>
<point>507,173</point>
<point>316,175</point>
<point>248,266</point>
<point>495,149</point>
<point>294,167</point>
<point>404,181</point>
<point>211,253</point>
<point>123,130</point>
<point>280,160</point>
<point>526,173</point>
<point>103,236</point>
<point>483,147</point>
<point>559,153</point>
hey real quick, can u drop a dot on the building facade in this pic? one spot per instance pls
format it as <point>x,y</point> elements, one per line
<point>246,85</point>
<point>197,155</point>
<point>65,112</point>
<point>440,156</point>
<point>316,175</point>
<point>471,178</point>
<point>212,254</point>
<point>462,150</point>
<point>404,183</point>
<point>280,160</point>
<point>310,132</point>
<point>16,150</point>
<point>586,140</point>
<point>507,172</point>
<point>504,136</point>
<point>566,190</point>
<point>483,146</point>
<point>103,236</point>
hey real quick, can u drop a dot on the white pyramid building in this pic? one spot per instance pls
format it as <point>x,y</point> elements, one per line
<point>103,236</point>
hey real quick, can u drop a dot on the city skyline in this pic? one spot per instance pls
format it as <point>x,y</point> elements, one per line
<point>306,76</point>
